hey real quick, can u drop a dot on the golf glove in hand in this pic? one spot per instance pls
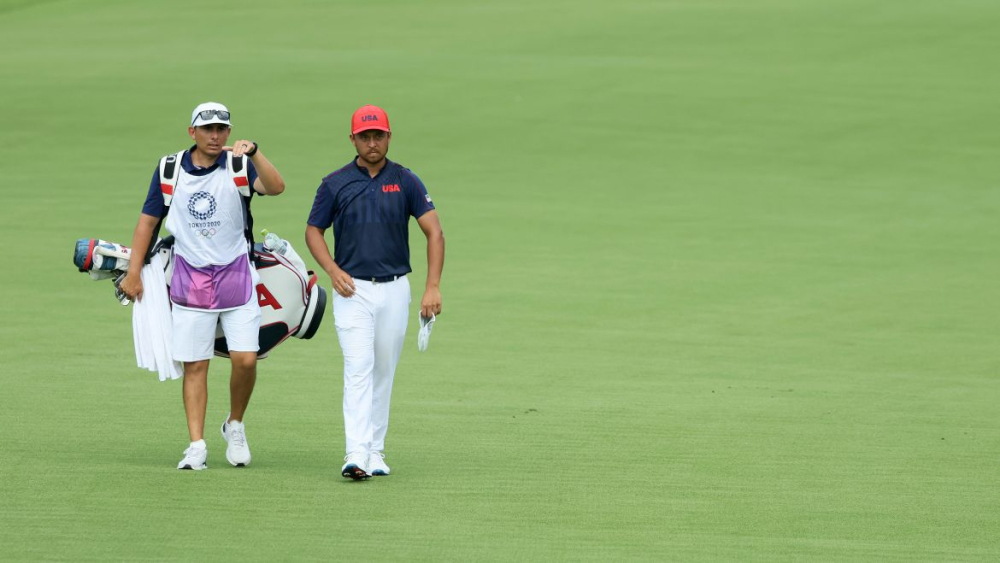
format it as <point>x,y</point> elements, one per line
<point>424,336</point>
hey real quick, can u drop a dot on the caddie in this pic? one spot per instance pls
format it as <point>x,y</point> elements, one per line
<point>205,192</point>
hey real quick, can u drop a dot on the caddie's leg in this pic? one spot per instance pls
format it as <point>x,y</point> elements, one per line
<point>355,322</point>
<point>241,382</point>
<point>193,338</point>
<point>242,329</point>
<point>390,331</point>
<point>195,391</point>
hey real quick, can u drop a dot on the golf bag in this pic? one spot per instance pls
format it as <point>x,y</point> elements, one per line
<point>291,302</point>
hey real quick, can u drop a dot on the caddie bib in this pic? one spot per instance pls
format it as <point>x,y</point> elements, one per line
<point>212,269</point>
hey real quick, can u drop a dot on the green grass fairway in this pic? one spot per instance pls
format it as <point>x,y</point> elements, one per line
<point>721,281</point>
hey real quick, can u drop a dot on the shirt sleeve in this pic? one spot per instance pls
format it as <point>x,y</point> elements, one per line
<point>252,175</point>
<point>418,201</point>
<point>321,215</point>
<point>154,199</point>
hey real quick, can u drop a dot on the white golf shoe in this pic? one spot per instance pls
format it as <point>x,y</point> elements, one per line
<point>194,458</point>
<point>237,450</point>
<point>355,466</point>
<point>376,464</point>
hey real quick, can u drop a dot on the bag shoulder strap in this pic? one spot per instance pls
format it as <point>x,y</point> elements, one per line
<point>238,172</point>
<point>170,171</point>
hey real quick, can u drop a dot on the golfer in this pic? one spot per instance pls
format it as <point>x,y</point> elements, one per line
<point>369,203</point>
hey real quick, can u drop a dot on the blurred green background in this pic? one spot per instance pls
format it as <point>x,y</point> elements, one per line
<point>720,281</point>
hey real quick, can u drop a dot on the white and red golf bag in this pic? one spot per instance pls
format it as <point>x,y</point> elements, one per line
<point>291,302</point>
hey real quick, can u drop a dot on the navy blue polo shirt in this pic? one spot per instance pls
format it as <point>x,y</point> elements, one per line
<point>370,217</point>
<point>154,199</point>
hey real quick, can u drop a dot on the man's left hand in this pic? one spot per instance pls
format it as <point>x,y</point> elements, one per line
<point>431,303</point>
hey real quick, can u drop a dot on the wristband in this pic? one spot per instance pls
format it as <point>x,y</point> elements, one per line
<point>252,151</point>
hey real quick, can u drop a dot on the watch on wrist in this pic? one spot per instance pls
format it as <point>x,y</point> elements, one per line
<point>252,151</point>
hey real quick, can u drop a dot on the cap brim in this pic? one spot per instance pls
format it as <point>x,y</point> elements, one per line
<point>370,128</point>
<point>199,122</point>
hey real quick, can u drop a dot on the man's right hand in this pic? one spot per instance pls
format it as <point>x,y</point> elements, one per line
<point>132,286</point>
<point>343,283</point>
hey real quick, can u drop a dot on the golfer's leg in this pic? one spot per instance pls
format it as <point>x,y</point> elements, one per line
<point>390,331</point>
<point>242,329</point>
<point>195,397</point>
<point>355,324</point>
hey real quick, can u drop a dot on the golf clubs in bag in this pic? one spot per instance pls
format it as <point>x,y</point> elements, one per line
<point>291,302</point>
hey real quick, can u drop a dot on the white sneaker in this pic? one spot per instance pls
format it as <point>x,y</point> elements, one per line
<point>238,450</point>
<point>355,466</point>
<point>194,458</point>
<point>376,464</point>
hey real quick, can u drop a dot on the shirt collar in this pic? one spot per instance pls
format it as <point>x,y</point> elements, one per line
<point>364,171</point>
<point>188,164</point>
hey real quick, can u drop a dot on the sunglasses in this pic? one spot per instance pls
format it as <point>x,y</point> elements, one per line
<point>207,114</point>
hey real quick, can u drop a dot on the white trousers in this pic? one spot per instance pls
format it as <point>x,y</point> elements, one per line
<point>371,325</point>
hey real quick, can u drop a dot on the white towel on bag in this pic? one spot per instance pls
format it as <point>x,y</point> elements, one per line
<point>152,326</point>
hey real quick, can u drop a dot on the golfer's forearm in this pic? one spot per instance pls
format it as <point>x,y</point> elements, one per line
<point>435,259</point>
<point>141,239</point>
<point>268,175</point>
<point>319,250</point>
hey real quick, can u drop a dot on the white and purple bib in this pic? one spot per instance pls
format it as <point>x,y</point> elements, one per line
<point>212,268</point>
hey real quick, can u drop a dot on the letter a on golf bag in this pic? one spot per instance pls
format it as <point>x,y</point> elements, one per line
<point>291,302</point>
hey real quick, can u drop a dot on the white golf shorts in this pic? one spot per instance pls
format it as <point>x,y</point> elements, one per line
<point>194,330</point>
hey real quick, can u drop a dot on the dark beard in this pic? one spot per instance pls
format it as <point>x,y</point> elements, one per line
<point>368,160</point>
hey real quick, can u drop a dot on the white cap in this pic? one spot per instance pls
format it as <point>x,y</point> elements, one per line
<point>197,120</point>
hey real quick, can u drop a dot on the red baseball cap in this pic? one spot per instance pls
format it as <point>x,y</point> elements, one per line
<point>369,117</point>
